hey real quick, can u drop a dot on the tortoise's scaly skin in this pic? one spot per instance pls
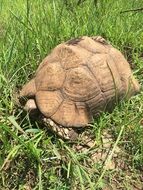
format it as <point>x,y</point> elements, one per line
<point>77,81</point>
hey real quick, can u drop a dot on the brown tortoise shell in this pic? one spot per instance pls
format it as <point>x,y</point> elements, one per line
<point>78,80</point>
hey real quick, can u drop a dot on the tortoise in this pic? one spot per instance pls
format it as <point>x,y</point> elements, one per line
<point>76,82</point>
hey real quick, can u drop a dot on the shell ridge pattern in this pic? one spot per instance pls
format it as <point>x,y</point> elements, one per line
<point>83,95</point>
<point>67,55</point>
<point>89,49</point>
<point>76,109</point>
<point>121,78</point>
<point>46,78</point>
<point>48,59</point>
<point>114,82</point>
<point>106,88</point>
<point>81,53</point>
<point>65,114</point>
<point>102,93</point>
<point>46,103</point>
<point>84,62</point>
<point>57,108</point>
<point>122,88</point>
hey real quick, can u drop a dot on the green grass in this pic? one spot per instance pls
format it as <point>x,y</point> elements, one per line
<point>30,156</point>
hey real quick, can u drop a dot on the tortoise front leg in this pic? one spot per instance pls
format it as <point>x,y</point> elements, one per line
<point>63,132</point>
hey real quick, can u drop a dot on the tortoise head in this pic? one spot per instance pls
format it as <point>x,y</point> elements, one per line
<point>27,99</point>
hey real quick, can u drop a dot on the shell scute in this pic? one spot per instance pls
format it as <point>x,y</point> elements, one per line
<point>50,77</point>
